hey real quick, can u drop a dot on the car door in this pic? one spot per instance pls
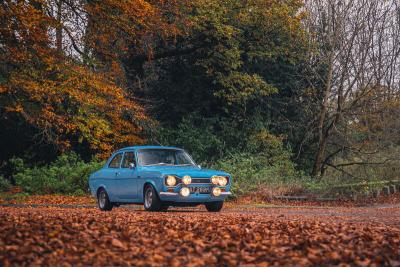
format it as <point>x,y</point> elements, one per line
<point>127,178</point>
<point>111,172</point>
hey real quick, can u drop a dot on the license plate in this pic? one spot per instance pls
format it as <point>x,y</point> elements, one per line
<point>201,190</point>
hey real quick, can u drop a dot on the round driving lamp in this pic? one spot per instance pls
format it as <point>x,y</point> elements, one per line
<point>171,180</point>
<point>215,180</point>
<point>216,191</point>
<point>184,191</point>
<point>186,179</point>
<point>222,181</point>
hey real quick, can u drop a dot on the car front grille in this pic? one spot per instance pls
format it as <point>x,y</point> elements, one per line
<point>201,180</point>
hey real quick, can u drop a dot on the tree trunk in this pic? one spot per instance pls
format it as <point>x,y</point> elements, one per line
<point>323,136</point>
<point>59,36</point>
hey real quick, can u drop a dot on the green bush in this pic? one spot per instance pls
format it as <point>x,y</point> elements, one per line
<point>5,185</point>
<point>265,168</point>
<point>257,159</point>
<point>210,139</point>
<point>251,173</point>
<point>68,174</point>
<point>349,179</point>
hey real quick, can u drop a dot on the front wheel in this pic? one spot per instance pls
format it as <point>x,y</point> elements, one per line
<point>214,206</point>
<point>103,201</point>
<point>151,200</point>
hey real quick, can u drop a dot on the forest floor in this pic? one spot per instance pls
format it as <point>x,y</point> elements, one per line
<point>24,199</point>
<point>242,234</point>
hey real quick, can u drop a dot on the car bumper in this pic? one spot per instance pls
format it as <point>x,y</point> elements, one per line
<point>196,197</point>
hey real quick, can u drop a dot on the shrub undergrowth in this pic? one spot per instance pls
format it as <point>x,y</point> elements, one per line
<point>68,174</point>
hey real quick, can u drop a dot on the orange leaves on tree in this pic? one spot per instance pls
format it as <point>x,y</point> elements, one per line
<point>120,26</point>
<point>67,103</point>
<point>80,105</point>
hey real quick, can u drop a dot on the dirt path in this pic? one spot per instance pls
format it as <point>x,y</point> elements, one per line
<point>182,237</point>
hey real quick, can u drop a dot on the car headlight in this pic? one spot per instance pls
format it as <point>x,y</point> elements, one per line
<point>215,180</point>
<point>171,180</point>
<point>222,181</point>
<point>216,191</point>
<point>184,191</point>
<point>219,180</point>
<point>186,179</point>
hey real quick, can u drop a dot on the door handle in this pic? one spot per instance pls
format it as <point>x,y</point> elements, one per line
<point>117,173</point>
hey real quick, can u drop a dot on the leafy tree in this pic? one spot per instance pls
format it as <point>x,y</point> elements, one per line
<point>51,100</point>
<point>225,74</point>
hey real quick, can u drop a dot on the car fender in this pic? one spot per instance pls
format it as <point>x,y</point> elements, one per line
<point>105,188</point>
<point>155,182</point>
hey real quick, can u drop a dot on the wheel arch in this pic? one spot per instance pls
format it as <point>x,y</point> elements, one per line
<point>149,183</point>
<point>99,188</point>
<point>156,203</point>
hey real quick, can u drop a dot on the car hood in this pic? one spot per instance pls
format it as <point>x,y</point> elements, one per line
<point>184,170</point>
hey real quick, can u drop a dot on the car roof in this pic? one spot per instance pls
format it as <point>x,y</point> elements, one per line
<point>148,147</point>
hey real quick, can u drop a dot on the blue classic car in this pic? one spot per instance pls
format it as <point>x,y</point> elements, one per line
<point>158,177</point>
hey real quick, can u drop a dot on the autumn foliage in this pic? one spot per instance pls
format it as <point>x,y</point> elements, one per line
<point>85,75</point>
<point>208,76</point>
<point>67,104</point>
<point>118,29</point>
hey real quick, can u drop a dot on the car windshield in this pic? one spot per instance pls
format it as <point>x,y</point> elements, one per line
<point>159,157</point>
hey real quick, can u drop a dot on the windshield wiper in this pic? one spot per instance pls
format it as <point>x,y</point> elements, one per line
<point>160,163</point>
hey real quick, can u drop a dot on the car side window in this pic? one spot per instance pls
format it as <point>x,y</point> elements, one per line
<point>114,163</point>
<point>129,157</point>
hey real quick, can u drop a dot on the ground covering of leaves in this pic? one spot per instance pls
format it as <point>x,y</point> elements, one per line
<point>13,198</point>
<point>192,237</point>
<point>46,199</point>
<point>340,202</point>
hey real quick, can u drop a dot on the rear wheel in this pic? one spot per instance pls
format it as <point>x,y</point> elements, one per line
<point>103,201</point>
<point>214,206</point>
<point>151,200</point>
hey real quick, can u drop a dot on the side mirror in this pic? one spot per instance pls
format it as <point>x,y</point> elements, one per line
<point>131,165</point>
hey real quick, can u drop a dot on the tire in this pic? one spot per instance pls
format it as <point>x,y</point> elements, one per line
<point>103,201</point>
<point>151,199</point>
<point>214,206</point>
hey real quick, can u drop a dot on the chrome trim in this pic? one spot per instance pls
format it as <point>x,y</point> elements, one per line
<point>177,194</point>
<point>179,181</point>
<point>168,194</point>
<point>201,178</point>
